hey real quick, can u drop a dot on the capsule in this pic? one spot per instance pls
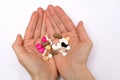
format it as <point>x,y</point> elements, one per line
<point>56,35</point>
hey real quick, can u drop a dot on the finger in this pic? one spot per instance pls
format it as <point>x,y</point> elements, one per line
<point>56,19</point>
<point>59,58</point>
<point>64,18</point>
<point>39,24</point>
<point>18,46</point>
<point>43,30</point>
<point>29,33</point>
<point>53,23</point>
<point>50,30</point>
<point>83,36</point>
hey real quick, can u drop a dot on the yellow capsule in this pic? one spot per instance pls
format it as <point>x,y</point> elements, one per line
<point>67,38</point>
<point>45,58</point>
<point>48,47</point>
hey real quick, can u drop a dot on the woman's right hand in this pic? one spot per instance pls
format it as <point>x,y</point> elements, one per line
<point>73,65</point>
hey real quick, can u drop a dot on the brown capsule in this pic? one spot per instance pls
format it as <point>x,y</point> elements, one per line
<point>54,52</point>
<point>46,43</point>
<point>56,35</point>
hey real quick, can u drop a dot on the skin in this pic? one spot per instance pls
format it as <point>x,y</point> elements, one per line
<point>71,67</point>
<point>27,54</point>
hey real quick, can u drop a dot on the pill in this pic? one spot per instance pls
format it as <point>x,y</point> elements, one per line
<point>50,55</point>
<point>56,35</point>
<point>46,43</point>
<point>38,45</point>
<point>44,39</point>
<point>50,41</point>
<point>63,49</point>
<point>54,47</point>
<point>45,58</point>
<point>45,53</point>
<point>48,47</point>
<point>67,38</point>
<point>63,53</point>
<point>68,48</point>
<point>63,44</point>
<point>63,40</point>
<point>41,50</point>
<point>54,52</point>
<point>58,45</point>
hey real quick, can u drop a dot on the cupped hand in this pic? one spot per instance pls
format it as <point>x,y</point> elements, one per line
<point>27,54</point>
<point>73,65</point>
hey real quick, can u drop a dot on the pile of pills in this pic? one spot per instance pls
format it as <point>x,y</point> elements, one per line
<point>63,45</point>
<point>48,49</point>
<point>45,48</point>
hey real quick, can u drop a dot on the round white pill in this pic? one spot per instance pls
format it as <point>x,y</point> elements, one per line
<point>54,47</point>
<point>58,45</point>
<point>61,40</point>
<point>63,53</point>
<point>50,56</point>
<point>68,48</point>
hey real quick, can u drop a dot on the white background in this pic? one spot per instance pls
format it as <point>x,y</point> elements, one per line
<point>102,21</point>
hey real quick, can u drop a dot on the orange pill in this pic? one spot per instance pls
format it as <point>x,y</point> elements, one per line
<point>48,47</point>
<point>67,38</point>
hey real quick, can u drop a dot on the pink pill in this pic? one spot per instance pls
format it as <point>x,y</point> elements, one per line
<point>44,39</point>
<point>41,50</point>
<point>38,45</point>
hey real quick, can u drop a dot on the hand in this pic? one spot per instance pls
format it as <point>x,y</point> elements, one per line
<point>27,54</point>
<point>73,66</point>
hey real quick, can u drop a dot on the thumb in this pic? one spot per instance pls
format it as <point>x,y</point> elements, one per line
<point>18,46</point>
<point>18,40</point>
<point>82,32</point>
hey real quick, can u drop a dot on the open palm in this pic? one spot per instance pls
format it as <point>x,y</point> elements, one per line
<point>26,52</point>
<point>59,22</point>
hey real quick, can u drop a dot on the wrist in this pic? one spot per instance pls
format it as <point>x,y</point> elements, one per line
<point>43,77</point>
<point>40,78</point>
<point>78,73</point>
